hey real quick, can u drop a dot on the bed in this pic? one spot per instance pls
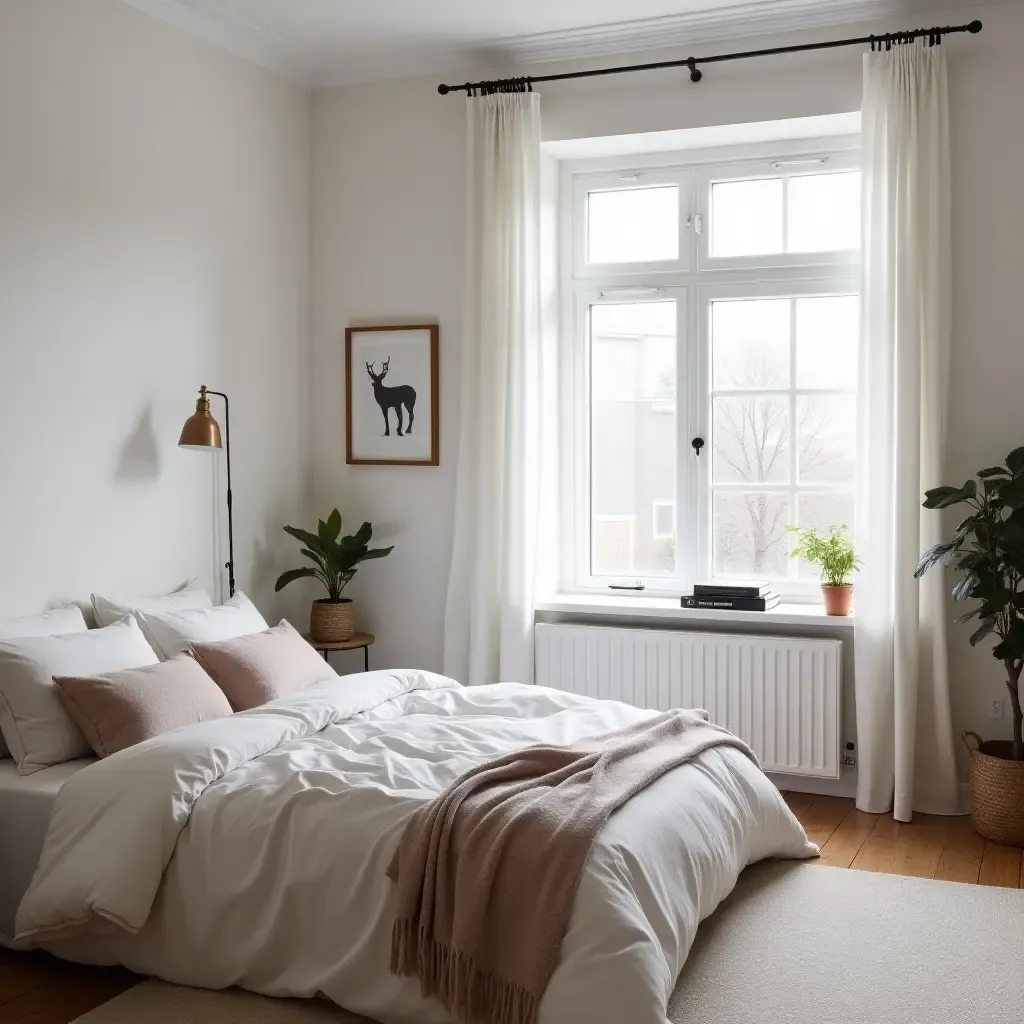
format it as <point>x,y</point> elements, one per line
<point>257,847</point>
<point>26,803</point>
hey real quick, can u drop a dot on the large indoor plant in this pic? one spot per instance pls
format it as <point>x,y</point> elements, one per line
<point>334,558</point>
<point>987,549</point>
<point>834,554</point>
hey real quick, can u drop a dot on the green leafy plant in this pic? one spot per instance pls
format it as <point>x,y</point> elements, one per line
<point>833,553</point>
<point>334,557</point>
<point>988,549</point>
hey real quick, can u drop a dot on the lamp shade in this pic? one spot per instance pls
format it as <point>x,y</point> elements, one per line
<point>201,430</point>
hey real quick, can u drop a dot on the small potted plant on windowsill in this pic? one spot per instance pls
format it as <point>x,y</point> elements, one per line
<point>332,619</point>
<point>835,555</point>
<point>987,548</point>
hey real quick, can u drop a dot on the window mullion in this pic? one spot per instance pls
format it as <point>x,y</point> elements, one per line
<point>792,565</point>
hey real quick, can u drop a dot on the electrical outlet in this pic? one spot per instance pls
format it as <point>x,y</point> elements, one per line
<point>995,707</point>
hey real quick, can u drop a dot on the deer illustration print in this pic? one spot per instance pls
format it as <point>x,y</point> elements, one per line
<point>392,398</point>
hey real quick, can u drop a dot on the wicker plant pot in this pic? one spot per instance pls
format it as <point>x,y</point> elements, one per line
<point>997,790</point>
<point>838,600</point>
<point>332,623</point>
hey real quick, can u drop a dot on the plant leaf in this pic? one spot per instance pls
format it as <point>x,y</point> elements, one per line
<point>334,525</point>
<point>311,540</point>
<point>376,553</point>
<point>943,497</point>
<point>965,588</point>
<point>292,575</point>
<point>362,536</point>
<point>1012,492</point>
<point>1015,460</point>
<point>937,554</point>
<point>982,631</point>
<point>994,471</point>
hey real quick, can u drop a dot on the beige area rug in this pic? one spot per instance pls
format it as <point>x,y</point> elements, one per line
<point>794,943</point>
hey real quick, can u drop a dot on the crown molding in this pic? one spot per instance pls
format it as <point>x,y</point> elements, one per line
<point>245,38</point>
<point>754,18</point>
<point>236,34</point>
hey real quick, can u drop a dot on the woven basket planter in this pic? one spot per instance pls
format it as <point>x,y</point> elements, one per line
<point>331,623</point>
<point>997,790</point>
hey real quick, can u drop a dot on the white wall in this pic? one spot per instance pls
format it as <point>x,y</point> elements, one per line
<point>154,212</point>
<point>388,184</point>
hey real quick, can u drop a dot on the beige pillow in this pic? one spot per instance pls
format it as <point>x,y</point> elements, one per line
<point>255,669</point>
<point>38,731</point>
<point>121,709</point>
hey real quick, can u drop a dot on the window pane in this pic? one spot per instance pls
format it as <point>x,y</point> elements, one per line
<point>750,343</point>
<point>746,217</point>
<point>823,511</point>
<point>633,225</point>
<point>633,436</point>
<point>750,534</point>
<point>826,428</point>
<point>664,519</point>
<point>824,212</point>
<point>751,438</point>
<point>827,334</point>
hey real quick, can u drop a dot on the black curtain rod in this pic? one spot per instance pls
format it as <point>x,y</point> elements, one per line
<point>933,35</point>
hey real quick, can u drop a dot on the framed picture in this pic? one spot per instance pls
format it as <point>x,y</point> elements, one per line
<point>391,406</point>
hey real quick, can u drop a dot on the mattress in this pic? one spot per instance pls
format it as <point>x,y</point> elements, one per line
<point>25,805</point>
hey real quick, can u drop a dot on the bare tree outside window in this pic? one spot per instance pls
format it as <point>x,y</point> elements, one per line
<point>755,412</point>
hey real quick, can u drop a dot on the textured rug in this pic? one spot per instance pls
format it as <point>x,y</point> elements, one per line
<point>793,943</point>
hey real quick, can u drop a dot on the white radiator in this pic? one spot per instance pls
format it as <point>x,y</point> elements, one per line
<point>780,694</point>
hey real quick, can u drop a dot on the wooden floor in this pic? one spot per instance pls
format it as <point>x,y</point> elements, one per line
<point>37,989</point>
<point>928,847</point>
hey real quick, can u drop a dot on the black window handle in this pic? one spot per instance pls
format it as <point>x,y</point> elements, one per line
<point>698,443</point>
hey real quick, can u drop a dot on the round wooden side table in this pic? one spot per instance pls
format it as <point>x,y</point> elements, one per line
<point>358,640</point>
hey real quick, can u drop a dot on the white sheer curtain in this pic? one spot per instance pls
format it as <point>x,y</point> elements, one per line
<point>904,728</point>
<point>489,613</point>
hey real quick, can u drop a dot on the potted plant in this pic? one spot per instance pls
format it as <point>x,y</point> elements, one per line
<point>987,548</point>
<point>332,618</point>
<point>838,561</point>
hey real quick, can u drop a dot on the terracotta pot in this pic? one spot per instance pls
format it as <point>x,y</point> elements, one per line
<point>332,623</point>
<point>997,790</point>
<point>838,600</point>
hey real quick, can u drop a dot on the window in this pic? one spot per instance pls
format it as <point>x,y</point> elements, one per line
<point>664,520</point>
<point>713,300</point>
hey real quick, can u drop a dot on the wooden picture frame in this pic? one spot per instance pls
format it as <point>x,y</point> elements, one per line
<point>381,419</point>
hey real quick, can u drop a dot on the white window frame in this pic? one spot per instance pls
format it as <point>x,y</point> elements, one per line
<point>784,168</point>
<point>694,280</point>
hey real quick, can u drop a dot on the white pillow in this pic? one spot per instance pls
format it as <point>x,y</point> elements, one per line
<point>52,623</point>
<point>35,725</point>
<point>189,595</point>
<point>172,632</point>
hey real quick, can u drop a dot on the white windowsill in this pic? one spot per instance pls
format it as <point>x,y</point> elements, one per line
<point>600,606</point>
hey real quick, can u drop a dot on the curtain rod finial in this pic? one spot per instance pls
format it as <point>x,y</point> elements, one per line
<point>443,89</point>
<point>975,27</point>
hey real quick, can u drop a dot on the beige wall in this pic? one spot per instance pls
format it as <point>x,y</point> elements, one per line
<point>388,183</point>
<point>154,212</point>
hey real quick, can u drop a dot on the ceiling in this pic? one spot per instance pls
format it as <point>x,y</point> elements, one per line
<point>331,42</point>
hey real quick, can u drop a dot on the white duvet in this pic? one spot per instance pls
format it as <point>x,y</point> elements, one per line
<point>252,850</point>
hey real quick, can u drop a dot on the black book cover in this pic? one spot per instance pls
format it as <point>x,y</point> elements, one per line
<point>732,604</point>
<point>745,589</point>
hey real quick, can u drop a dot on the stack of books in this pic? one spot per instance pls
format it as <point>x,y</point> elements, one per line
<point>741,596</point>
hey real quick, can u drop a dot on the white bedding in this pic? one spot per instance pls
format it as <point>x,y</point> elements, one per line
<point>252,850</point>
<point>26,803</point>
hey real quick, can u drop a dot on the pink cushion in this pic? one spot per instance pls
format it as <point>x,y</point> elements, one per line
<point>120,709</point>
<point>261,667</point>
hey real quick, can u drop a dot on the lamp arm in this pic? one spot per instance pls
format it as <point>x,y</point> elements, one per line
<point>230,565</point>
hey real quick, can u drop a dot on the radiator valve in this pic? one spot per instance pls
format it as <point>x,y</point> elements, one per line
<point>850,756</point>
